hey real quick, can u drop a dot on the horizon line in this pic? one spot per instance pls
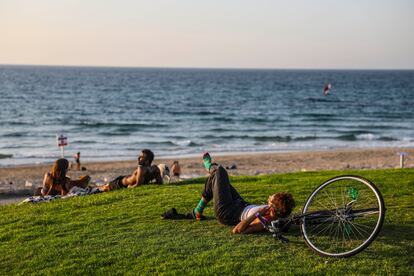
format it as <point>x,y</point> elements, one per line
<point>202,68</point>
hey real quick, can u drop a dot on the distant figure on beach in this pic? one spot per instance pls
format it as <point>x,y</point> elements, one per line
<point>77,160</point>
<point>56,182</point>
<point>231,209</point>
<point>144,174</point>
<point>176,169</point>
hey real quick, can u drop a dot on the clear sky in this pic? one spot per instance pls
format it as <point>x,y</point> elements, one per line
<point>355,34</point>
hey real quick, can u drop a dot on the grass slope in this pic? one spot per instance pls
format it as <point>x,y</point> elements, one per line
<point>121,233</point>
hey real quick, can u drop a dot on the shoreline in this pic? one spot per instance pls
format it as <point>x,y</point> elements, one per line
<point>28,177</point>
<point>198,155</point>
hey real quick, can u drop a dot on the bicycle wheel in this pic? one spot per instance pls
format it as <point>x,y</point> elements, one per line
<point>342,216</point>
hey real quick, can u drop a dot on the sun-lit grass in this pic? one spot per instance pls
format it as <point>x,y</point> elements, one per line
<point>121,232</point>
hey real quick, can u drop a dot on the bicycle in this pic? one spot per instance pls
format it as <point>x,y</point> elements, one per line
<point>340,218</point>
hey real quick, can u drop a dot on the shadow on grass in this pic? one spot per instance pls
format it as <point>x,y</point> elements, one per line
<point>396,241</point>
<point>399,236</point>
<point>199,180</point>
<point>293,234</point>
<point>394,232</point>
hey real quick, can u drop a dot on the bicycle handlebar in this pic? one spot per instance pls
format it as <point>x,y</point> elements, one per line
<point>271,228</point>
<point>263,220</point>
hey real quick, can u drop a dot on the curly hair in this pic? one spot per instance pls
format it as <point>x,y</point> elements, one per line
<point>283,203</point>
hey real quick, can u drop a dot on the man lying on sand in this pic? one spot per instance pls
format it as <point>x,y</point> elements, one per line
<point>231,209</point>
<point>144,174</point>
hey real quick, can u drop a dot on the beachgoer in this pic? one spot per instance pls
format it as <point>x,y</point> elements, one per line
<point>176,169</point>
<point>231,209</point>
<point>56,182</point>
<point>164,171</point>
<point>327,89</point>
<point>77,160</point>
<point>144,174</point>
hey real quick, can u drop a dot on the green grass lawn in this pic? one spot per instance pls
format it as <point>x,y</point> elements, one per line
<point>121,232</point>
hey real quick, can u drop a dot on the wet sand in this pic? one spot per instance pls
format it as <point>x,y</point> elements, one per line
<point>20,181</point>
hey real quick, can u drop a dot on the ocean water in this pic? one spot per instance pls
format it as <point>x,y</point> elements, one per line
<point>112,113</point>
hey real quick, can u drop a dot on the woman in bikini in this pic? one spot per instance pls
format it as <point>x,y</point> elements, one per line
<point>56,182</point>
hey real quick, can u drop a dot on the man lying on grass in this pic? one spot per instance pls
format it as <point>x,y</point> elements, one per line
<point>231,209</point>
<point>144,174</point>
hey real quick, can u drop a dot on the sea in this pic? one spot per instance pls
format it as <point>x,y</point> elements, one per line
<point>113,113</point>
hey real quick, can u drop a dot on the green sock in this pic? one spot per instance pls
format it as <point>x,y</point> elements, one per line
<point>200,207</point>
<point>207,161</point>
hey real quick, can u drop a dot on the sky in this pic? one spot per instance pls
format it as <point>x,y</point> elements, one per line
<point>319,34</point>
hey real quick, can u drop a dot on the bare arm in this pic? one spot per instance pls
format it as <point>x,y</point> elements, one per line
<point>250,225</point>
<point>46,180</point>
<point>139,176</point>
<point>57,188</point>
<point>81,182</point>
<point>64,189</point>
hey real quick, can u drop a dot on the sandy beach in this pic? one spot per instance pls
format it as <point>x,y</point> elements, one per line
<point>17,182</point>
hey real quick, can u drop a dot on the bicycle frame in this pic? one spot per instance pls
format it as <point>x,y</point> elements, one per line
<point>347,223</point>
<point>327,216</point>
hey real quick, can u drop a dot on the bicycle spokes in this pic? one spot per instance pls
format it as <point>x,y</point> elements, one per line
<point>351,213</point>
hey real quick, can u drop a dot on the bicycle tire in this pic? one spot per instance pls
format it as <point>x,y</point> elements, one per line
<point>342,225</point>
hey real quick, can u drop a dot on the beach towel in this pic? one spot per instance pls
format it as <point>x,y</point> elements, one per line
<point>74,191</point>
<point>38,199</point>
<point>78,191</point>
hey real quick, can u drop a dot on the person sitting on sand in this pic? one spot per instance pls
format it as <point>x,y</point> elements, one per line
<point>56,182</point>
<point>176,169</point>
<point>144,174</point>
<point>231,209</point>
